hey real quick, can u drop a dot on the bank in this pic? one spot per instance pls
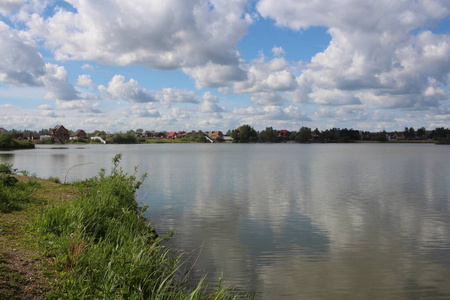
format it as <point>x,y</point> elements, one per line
<point>88,240</point>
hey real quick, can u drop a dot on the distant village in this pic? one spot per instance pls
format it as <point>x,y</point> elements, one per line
<point>244,134</point>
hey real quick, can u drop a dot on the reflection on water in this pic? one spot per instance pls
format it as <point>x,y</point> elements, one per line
<point>293,221</point>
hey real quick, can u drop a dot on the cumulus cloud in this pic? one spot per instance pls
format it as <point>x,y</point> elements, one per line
<point>85,80</point>
<point>209,104</point>
<point>56,81</point>
<point>215,75</point>
<point>130,91</point>
<point>278,51</point>
<point>393,59</point>
<point>87,67</point>
<point>162,35</point>
<point>271,112</point>
<point>8,6</point>
<point>144,111</point>
<point>267,76</point>
<point>20,63</point>
<point>82,106</point>
<point>268,98</point>
<point>170,96</point>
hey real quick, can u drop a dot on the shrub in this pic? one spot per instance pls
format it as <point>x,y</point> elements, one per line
<point>6,168</point>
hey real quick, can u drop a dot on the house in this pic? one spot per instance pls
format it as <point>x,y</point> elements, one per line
<point>284,134</point>
<point>3,130</point>
<point>216,135</point>
<point>172,135</point>
<point>160,135</point>
<point>80,134</point>
<point>60,133</point>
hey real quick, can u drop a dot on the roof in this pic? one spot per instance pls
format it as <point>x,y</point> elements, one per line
<point>173,133</point>
<point>3,130</point>
<point>57,127</point>
<point>79,131</point>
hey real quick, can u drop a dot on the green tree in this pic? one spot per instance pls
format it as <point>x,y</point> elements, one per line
<point>6,140</point>
<point>421,132</point>
<point>269,135</point>
<point>244,134</point>
<point>304,135</point>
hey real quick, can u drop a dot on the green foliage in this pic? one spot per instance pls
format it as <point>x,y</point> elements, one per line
<point>304,135</point>
<point>54,179</point>
<point>198,138</point>
<point>103,247</point>
<point>13,194</point>
<point>244,134</point>
<point>7,142</point>
<point>269,135</point>
<point>6,168</point>
<point>126,138</point>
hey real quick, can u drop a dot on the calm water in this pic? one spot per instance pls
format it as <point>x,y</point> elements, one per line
<point>362,221</point>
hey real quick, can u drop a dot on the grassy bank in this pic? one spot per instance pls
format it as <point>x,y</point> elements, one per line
<point>89,240</point>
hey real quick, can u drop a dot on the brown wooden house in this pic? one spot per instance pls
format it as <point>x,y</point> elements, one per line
<point>60,133</point>
<point>80,134</point>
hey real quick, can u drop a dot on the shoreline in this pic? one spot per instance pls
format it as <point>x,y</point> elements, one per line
<point>53,246</point>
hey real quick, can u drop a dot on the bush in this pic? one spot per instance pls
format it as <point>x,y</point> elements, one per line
<point>6,168</point>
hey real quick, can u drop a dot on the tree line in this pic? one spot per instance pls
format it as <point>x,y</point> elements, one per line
<point>247,134</point>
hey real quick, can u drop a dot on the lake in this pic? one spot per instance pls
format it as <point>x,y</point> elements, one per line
<point>290,221</point>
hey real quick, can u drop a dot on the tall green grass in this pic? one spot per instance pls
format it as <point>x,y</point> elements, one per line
<point>103,248</point>
<point>13,194</point>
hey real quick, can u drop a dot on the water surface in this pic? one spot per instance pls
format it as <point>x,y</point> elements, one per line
<point>291,221</point>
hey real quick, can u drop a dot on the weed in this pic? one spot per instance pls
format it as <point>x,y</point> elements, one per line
<point>104,248</point>
<point>6,168</point>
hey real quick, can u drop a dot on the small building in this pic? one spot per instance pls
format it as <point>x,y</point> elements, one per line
<point>172,135</point>
<point>216,135</point>
<point>284,134</point>
<point>60,133</point>
<point>45,137</point>
<point>80,134</point>
<point>3,130</point>
<point>160,135</point>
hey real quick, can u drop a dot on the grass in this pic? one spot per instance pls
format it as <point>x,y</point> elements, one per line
<point>89,240</point>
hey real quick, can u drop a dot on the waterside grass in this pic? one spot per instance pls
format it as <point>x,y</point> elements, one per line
<point>99,246</point>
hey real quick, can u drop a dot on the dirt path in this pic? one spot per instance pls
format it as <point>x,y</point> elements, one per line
<point>24,272</point>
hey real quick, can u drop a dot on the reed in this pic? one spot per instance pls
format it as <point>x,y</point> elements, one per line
<point>103,247</point>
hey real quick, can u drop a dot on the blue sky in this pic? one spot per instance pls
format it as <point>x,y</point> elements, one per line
<point>215,65</point>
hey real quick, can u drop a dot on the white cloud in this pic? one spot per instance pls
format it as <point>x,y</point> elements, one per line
<point>393,60</point>
<point>130,91</point>
<point>209,104</point>
<point>85,80</point>
<point>162,35</point>
<point>268,98</point>
<point>56,81</point>
<point>20,62</point>
<point>278,51</point>
<point>87,67</point>
<point>170,96</point>
<point>147,110</point>
<point>52,114</point>
<point>215,75</point>
<point>82,106</point>
<point>45,107</point>
<point>9,6</point>
<point>267,76</point>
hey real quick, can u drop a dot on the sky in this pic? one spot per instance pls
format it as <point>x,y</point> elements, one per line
<point>187,65</point>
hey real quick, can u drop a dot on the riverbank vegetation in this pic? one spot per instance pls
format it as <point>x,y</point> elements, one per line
<point>7,142</point>
<point>247,134</point>
<point>89,240</point>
